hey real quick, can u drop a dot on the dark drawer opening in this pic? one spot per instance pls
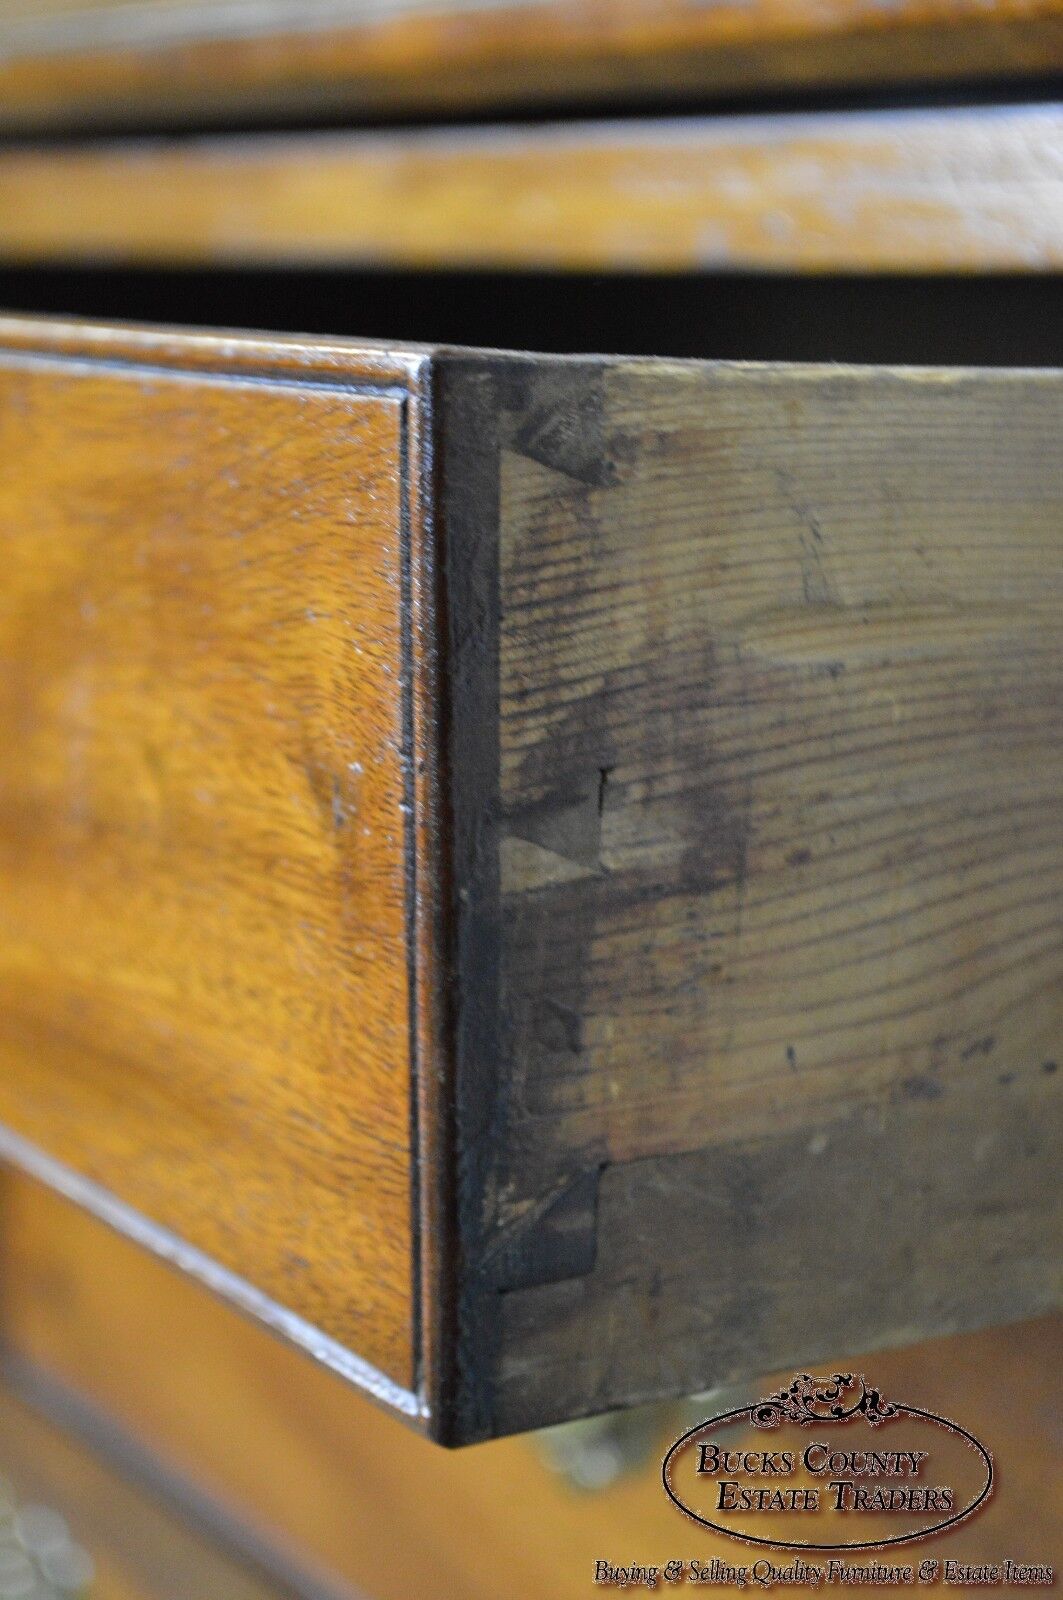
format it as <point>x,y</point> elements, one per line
<point>950,320</point>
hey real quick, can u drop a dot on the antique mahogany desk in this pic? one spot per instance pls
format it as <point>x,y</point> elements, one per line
<point>536,877</point>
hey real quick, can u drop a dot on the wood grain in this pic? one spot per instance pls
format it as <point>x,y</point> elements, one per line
<point>206,740</point>
<point>545,983</point>
<point>141,1547</point>
<point>928,191</point>
<point>65,64</point>
<point>378,1511</point>
<point>773,869</point>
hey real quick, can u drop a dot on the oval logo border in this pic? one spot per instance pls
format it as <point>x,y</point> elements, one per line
<point>864,1544</point>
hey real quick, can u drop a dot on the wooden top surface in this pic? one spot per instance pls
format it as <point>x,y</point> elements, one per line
<point>149,60</point>
<point>207,958</point>
<point>927,191</point>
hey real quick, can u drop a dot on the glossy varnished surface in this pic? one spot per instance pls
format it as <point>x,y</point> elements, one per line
<point>312,1468</point>
<point>205,810</point>
<point>131,1544</point>
<point>77,62</point>
<point>925,191</point>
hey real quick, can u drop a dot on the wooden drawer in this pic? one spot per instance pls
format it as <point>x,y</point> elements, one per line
<point>534,876</point>
<point>286,1462</point>
<point>68,62</point>
<point>120,1539</point>
<point>916,191</point>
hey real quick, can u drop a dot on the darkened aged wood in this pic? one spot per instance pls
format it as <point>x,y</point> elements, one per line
<point>64,64</point>
<point>945,190</point>
<point>211,746</point>
<point>779,867</point>
<point>553,981</point>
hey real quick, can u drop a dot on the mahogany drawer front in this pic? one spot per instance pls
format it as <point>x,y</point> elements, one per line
<point>78,61</point>
<point>122,1349</point>
<point>101,1525</point>
<point>206,709</point>
<point>944,190</point>
<point>535,875</point>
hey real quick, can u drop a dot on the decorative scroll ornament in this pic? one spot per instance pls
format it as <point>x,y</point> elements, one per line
<point>833,1399</point>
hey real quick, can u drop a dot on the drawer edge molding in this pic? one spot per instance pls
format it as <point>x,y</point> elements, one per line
<point>193,1263</point>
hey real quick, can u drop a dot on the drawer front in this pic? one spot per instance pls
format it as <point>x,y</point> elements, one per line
<point>922,191</point>
<point>96,1533</point>
<point>79,60</point>
<point>376,1510</point>
<point>206,814</point>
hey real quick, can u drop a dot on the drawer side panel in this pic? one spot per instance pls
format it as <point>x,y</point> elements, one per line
<point>780,870</point>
